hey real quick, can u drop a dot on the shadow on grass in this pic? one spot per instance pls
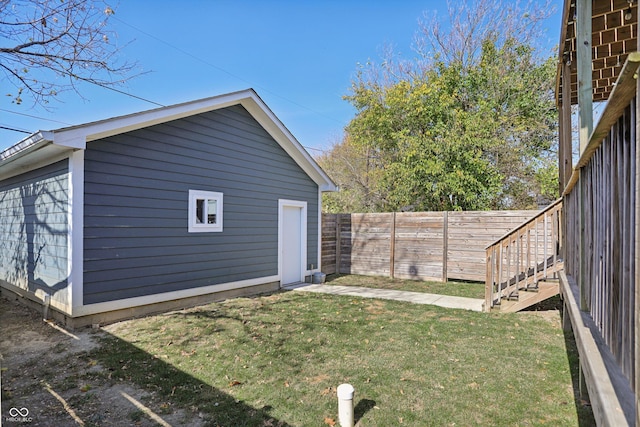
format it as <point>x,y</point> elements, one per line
<point>171,387</point>
<point>583,409</point>
<point>553,303</point>
<point>363,406</point>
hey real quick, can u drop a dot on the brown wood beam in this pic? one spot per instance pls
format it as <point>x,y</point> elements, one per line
<point>445,245</point>
<point>636,261</point>
<point>566,137</point>
<point>392,248</point>
<point>584,65</point>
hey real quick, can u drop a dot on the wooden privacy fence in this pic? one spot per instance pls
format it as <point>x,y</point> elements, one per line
<point>414,245</point>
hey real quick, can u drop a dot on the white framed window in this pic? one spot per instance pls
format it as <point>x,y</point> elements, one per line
<point>205,211</point>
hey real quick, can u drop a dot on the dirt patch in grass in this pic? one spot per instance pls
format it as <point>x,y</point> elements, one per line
<point>49,371</point>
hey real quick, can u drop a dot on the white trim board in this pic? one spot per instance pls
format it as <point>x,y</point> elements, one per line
<point>103,307</point>
<point>75,243</point>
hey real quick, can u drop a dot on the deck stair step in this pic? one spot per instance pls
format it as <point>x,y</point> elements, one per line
<point>526,298</point>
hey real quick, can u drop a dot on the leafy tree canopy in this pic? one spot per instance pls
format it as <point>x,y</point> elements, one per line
<point>469,124</point>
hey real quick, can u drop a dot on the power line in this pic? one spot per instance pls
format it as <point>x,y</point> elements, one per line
<point>315,149</point>
<point>69,124</point>
<point>162,105</point>
<point>126,93</point>
<point>34,117</point>
<point>189,54</point>
<point>14,129</point>
<point>180,50</point>
<point>217,67</point>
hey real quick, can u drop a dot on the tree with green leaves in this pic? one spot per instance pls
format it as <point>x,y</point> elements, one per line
<point>468,127</point>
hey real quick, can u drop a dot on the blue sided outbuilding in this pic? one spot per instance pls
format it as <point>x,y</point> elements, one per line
<point>158,210</point>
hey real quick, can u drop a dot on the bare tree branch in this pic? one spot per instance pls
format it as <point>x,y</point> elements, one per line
<point>473,21</point>
<point>44,40</point>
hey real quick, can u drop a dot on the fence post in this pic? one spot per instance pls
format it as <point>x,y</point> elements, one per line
<point>338,242</point>
<point>392,248</point>
<point>445,245</point>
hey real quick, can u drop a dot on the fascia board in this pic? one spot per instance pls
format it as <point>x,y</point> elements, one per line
<point>32,152</point>
<point>76,137</point>
<point>26,145</point>
<point>270,122</point>
<point>72,136</point>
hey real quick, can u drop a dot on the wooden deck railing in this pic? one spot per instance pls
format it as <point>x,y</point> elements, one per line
<point>601,209</point>
<point>601,233</point>
<point>524,257</point>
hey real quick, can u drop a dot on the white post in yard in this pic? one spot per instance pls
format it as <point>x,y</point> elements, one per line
<point>46,302</point>
<point>345,405</point>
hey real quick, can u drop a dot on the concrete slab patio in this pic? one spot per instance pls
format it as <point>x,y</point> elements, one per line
<point>472,304</point>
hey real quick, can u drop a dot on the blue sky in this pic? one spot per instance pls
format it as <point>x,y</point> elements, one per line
<point>300,56</point>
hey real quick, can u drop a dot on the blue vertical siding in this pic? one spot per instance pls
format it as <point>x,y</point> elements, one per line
<point>34,230</point>
<point>136,239</point>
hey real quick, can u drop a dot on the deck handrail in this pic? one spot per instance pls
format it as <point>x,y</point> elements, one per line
<point>524,256</point>
<point>524,224</point>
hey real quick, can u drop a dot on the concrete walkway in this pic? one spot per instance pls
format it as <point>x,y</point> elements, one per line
<point>414,297</point>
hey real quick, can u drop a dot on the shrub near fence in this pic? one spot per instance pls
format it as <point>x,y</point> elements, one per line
<point>414,245</point>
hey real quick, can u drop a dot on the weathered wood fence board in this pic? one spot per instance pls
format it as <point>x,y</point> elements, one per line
<point>416,245</point>
<point>469,235</point>
<point>419,241</point>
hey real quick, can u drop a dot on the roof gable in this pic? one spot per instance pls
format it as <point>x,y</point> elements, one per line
<point>44,144</point>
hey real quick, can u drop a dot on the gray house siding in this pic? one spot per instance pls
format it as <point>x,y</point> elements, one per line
<point>136,239</point>
<point>34,230</point>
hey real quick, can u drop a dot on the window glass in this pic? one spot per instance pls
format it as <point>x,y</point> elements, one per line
<point>200,211</point>
<point>212,210</point>
<point>205,211</point>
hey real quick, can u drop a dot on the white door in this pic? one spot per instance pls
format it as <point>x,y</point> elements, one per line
<point>293,242</point>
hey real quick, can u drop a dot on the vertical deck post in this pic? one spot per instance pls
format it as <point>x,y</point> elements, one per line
<point>585,117</point>
<point>566,142</point>
<point>528,263</point>
<point>490,277</point>
<point>508,278</point>
<point>537,255</point>
<point>546,244</point>
<point>584,58</point>
<point>636,260</point>
<point>561,148</point>
<point>566,120</point>
<point>585,122</point>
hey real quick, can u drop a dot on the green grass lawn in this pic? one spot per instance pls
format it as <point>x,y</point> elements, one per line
<point>456,289</point>
<point>277,360</point>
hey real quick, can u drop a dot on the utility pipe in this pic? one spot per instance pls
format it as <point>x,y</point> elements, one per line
<point>345,405</point>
